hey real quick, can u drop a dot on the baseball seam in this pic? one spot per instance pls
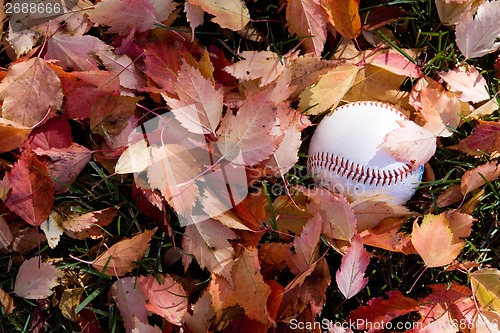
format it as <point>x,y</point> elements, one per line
<point>357,172</point>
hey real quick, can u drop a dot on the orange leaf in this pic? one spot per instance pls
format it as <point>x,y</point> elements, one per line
<point>119,258</point>
<point>477,177</point>
<point>306,18</point>
<point>344,16</point>
<point>12,135</point>
<point>230,14</point>
<point>434,241</point>
<point>246,276</point>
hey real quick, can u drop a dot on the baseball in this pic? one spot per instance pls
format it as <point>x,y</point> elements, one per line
<point>344,155</point>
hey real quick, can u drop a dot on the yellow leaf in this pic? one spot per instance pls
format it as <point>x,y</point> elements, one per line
<point>230,14</point>
<point>486,286</point>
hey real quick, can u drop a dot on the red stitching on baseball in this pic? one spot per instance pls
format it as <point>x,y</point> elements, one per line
<point>354,171</point>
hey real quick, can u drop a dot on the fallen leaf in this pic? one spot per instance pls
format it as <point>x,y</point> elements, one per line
<point>75,52</point>
<point>6,236</point>
<point>379,310</point>
<point>369,213</point>
<point>306,19</point>
<point>33,196</point>
<point>468,81</point>
<point>350,276</point>
<point>478,176</point>
<point>141,327</point>
<point>232,14</point>
<point>194,15</point>
<point>450,11</point>
<point>35,279</point>
<point>306,246</point>
<point>485,139</point>
<point>70,299</point>
<point>441,112</point>
<point>485,283</point>
<point>198,105</point>
<point>393,61</point>
<point>202,313</point>
<point>29,91</point>
<point>263,65</point>
<point>109,114</point>
<point>52,230</point>
<point>122,66</point>
<point>245,138</point>
<point>119,258</point>
<point>344,16</point>
<point>12,135</point>
<point>484,110</point>
<point>246,276</point>
<point>7,302</point>
<point>329,90</point>
<point>54,133</point>
<point>130,300</point>
<point>410,143</point>
<point>434,241</point>
<point>166,298</point>
<point>476,35</point>
<point>209,242</point>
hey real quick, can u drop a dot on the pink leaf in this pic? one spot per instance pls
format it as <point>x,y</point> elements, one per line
<point>167,299</point>
<point>194,15</point>
<point>231,14</point>
<point>350,276</point>
<point>440,111</point>
<point>131,301</point>
<point>307,18</point>
<point>468,81</point>
<point>36,279</point>
<point>396,63</point>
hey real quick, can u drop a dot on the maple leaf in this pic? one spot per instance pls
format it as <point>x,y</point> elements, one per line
<point>486,138</point>
<point>263,65</point>
<point>24,100</point>
<point>33,196</point>
<point>306,18</point>
<point>476,36</point>
<point>244,137</point>
<point>75,52</point>
<point>379,310</point>
<point>410,143</point>
<point>35,279</point>
<point>198,105</point>
<point>208,241</point>
<point>468,81</point>
<point>486,286</point>
<point>478,176</point>
<point>246,276</point>
<point>329,90</point>
<point>166,298</point>
<point>344,16</point>
<point>230,14</point>
<point>119,258</point>
<point>350,276</point>
<point>12,134</point>
<point>434,241</point>
<point>130,300</point>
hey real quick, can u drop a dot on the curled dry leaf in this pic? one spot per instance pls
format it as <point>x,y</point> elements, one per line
<point>166,298</point>
<point>6,236</point>
<point>7,302</point>
<point>35,279</point>
<point>478,176</point>
<point>119,258</point>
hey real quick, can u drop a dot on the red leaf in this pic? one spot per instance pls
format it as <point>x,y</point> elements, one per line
<point>131,301</point>
<point>33,196</point>
<point>167,299</point>
<point>349,277</point>
<point>485,139</point>
<point>55,133</point>
<point>380,311</point>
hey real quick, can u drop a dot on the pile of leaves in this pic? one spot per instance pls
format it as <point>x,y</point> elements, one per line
<point>153,177</point>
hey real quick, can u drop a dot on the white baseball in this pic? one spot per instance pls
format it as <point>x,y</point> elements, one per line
<point>344,155</point>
